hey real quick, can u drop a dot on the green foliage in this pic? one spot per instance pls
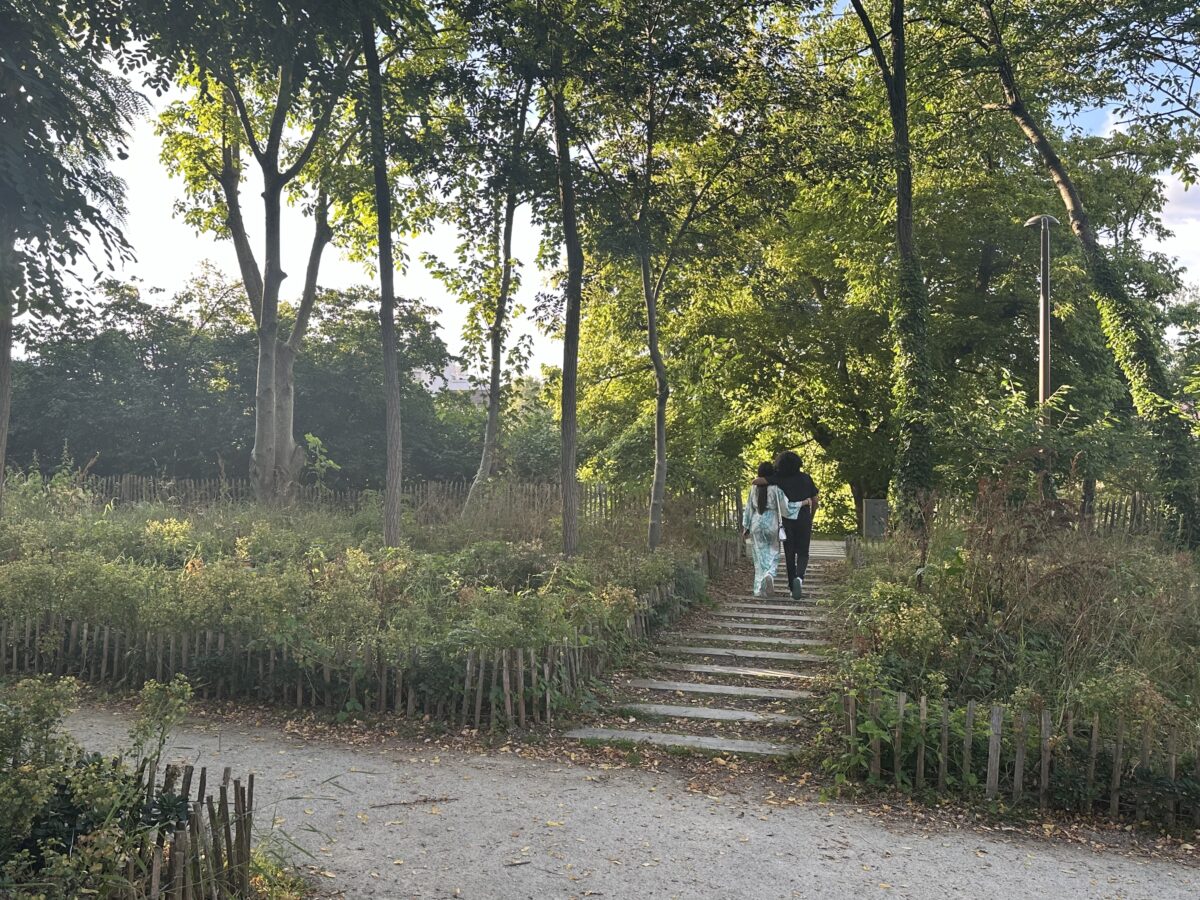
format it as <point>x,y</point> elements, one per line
<point>69,819</point>
<point>316,584</point>
<point>1014,607</point>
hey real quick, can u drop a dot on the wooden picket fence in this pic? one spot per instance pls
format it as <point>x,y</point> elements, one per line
<point>495,687</point>
<point>205,853</point>
<point>1139,771</point>
<point>436,502</point>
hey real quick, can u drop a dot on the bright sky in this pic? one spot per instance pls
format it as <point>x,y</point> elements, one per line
<point>168,251</point>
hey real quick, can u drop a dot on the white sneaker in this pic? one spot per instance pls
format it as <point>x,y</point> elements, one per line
<point>768,586</point>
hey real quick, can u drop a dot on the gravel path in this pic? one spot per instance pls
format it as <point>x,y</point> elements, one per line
<point>517,828</point>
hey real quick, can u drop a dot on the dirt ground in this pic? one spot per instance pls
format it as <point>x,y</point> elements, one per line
<point>402,818</point>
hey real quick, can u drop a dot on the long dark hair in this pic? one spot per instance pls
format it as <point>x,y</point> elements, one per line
<point>788,463</point>
<point>765,470</point>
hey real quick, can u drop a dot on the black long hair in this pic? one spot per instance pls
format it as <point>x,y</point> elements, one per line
<point>765,470</point>
<point>788,463</point>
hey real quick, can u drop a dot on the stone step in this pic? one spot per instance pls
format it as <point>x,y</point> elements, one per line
<point>739,653</point>
<point>749,639</point>
<point>727,690</point>
<point>749,626</point>
<point>714,713</point>
<point>726,613</point>
<point>711,744</point>
<point>751,605</point>
<point>742,671</point>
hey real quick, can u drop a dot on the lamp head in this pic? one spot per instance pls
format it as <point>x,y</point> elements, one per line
<point>1038,220</point>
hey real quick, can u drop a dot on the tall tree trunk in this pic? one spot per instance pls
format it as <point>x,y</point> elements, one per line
<point>573,303</point>
<point>6,342</point>
<point>289,455</point>
<point>1127,327</point>
<point>658,488</point>
<point>387,293</point>
<point>491,433</point>
<point>912,387</point>
<point>262,456</point>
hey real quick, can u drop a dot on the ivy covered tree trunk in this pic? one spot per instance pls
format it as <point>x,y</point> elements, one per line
<point>6,343</point>
<point>912,382</point>
<point>1127,326</point>
<point>573,297</point>
<point>393,486</point>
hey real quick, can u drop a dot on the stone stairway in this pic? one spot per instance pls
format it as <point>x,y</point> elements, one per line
<point>731,679</point>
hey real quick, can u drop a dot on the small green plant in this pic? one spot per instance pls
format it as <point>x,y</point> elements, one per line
<point>161,709</point>
<point>319,464</point>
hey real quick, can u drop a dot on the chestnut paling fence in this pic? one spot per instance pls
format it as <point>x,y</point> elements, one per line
<point>1135,769</point>
<point>199,846</point>
<point>434,502</point>
<point>469,686</point>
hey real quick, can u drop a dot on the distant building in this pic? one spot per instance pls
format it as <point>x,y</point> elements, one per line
<point>453,379</point>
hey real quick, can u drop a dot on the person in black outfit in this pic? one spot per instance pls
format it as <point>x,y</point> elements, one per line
<point>797,533</point>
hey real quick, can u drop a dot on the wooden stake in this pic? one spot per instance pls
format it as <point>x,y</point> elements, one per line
<point>993,766</point>
<point>944,747</point>
<point>1020,727</point>
<point>968,744</point>
<point>1114,790</point>
<point>922,720</point>
<point>1044,779</point>
<point>875,750</point>
<point>1172,764</point>
<point>897,752</point>
<point>1093,751</point>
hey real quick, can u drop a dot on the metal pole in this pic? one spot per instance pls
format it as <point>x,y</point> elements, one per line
<point>1044,330</point>
<point>1044,308</point>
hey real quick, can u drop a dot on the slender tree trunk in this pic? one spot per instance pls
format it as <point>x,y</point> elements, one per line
<point>491,434</point>
<point>6,342</point>
<point>662,393</point>
<point>289,455</point>
<point>573,303</point>
<point>912,388</point>
<point>387,293</point>
<point>1127,328</point>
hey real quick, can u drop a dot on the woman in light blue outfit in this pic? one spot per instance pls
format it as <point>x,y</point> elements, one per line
<point>760,527</point>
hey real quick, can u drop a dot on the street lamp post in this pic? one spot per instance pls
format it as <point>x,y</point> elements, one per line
<point>1044,309</point>
<point>1045,221</point>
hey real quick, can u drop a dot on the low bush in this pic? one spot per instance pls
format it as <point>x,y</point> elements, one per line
<point>292,603</point>
<point>73,823</point>
<point>1012,604</point>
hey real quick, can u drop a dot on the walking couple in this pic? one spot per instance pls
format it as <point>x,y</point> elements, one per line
<point>779,508</point>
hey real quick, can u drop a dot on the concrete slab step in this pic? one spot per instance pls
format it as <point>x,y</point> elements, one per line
<point>751,626</point>
<point>725,690</point>
<point>739,653</point>
<point>725,612</point>
<point>712,713</point>
<point>752,605</point>
<point>748,639</point>
<point>741,671</point>
<point>690,741</point>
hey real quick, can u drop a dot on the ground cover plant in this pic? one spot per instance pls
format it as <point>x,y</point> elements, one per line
<point>1084,637</point>
<point>76,824</point>
<point>305,605</point>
